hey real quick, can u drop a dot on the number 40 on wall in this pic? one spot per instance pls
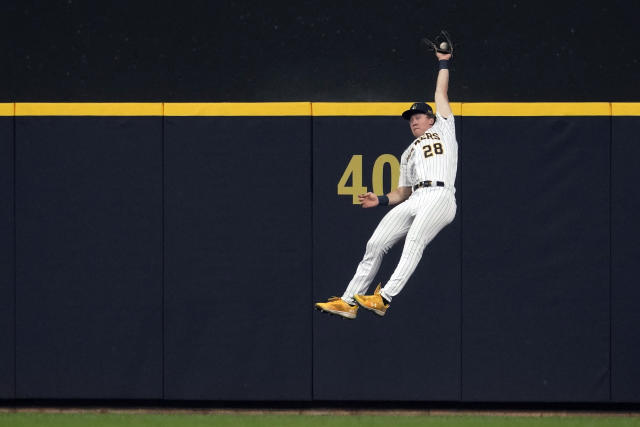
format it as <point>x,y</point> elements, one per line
<point>354,171</point>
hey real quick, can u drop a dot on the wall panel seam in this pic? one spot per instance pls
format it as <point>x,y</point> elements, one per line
<point>461,175</point>
<point>312,241</point>
<point>15,259</point>
<point>162,254</point>
<point>610,251</point>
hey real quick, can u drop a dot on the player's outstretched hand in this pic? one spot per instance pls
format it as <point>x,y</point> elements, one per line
<point>368,200</point>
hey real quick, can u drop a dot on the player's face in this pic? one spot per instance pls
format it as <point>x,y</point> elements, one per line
<point>419,123</point>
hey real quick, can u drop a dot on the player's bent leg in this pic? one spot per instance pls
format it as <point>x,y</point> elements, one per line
<point>392,227</point>
<point>438,210</point>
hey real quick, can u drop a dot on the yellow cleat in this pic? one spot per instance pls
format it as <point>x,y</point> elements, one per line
<point>373,302</point>
<point>337,306</point>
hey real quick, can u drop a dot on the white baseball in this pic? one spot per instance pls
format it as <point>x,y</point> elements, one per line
<point>444,45</point>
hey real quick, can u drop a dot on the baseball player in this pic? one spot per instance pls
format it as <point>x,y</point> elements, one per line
<point>424,203</point>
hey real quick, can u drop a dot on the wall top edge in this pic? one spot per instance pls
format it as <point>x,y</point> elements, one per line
<point>316,109</point>
<point>261,109</point>
<point>7,109</point>
<point>88,109</point>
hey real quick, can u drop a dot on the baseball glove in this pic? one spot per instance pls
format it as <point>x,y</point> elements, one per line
<point>442,43</point>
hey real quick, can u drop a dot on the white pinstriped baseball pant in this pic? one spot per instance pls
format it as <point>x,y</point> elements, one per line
<point>420,218</point>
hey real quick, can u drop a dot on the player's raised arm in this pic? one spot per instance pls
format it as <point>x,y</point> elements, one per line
<point>442,85</point>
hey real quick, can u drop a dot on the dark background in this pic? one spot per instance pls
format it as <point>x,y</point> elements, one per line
<point>178,258</point>
<point>75,50</point>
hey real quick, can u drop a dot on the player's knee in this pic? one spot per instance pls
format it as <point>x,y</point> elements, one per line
<point>376,247</point>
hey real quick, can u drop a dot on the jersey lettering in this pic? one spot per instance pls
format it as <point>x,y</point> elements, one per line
<point>428,135</point>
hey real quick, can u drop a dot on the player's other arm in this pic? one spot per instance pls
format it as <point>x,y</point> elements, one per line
<point>397,196</point>
<point>442,87</point>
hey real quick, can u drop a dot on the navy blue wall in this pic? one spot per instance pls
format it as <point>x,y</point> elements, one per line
<point>7,285</point>
<point>238,258</point>
<point>625,234</point>
<point>89,257</point>
<point>179,258</point>
<point>536,259</point>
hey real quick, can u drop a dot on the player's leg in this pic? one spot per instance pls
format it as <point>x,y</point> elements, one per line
<point>436,209</point>
<point>393,227</point>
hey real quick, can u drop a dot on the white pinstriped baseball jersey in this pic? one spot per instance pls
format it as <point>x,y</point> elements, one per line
<point>432,156</point>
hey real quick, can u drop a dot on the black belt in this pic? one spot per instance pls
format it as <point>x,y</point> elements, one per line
<point>428,184</point>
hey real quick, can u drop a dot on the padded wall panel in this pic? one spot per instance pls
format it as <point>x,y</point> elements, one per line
<point>89,253</point>
<point>7,283</point>
<point>238,258</point>
<point>536,259</point>
<point>413,352</point>
<point>625,292</point>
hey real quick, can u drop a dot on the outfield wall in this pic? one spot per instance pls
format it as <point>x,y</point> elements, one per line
<point>174,251</point>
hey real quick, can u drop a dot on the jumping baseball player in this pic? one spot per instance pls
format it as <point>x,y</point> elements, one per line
<point>424,202</point>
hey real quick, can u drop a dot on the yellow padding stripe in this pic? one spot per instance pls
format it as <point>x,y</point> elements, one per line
<point>528,109</point>
<point>6,108</point>
<point>237,109</point>
<point>89,109</point>
<point>625,108</point>
<point>240,109</point>
<point>369,108</point>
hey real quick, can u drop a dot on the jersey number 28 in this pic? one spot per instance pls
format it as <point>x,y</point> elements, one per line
<point>430,150</point>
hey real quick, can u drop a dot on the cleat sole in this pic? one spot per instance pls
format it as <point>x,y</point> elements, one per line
<point>342,314</point>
